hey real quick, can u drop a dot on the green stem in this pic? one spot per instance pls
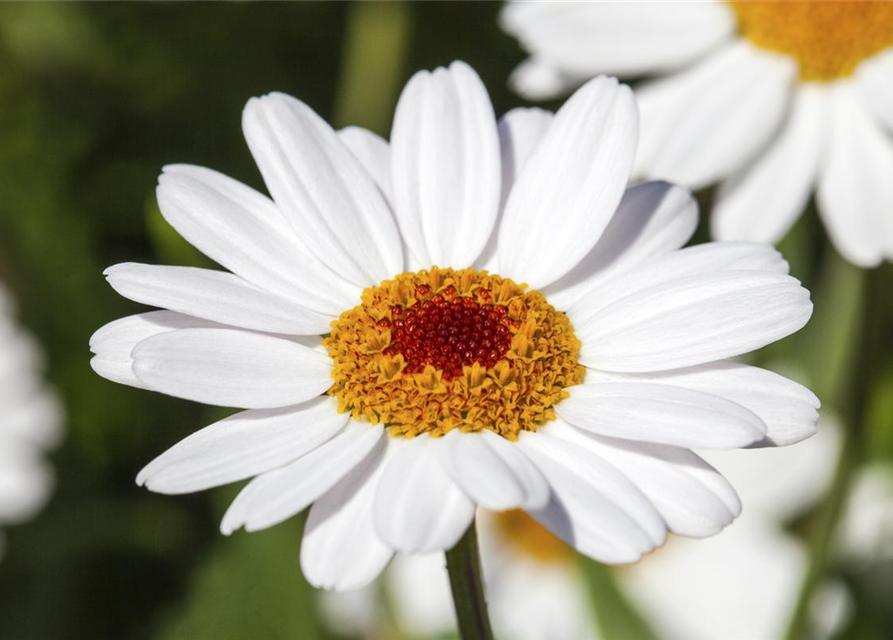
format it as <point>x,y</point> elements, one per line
<point>856,386</point>
<point>464,567</point>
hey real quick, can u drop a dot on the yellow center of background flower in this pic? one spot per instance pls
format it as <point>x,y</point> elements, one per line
<point>530,537</point>
<point>828,39</point>
<point>436,350</point>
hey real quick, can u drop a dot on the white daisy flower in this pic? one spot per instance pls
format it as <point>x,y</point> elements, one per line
<point>438,389</point>
<point>774,100</point>
<point>29,423</point>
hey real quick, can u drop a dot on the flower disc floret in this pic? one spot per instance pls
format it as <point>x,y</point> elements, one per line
<point>828,39</point>
<point>440,349</point>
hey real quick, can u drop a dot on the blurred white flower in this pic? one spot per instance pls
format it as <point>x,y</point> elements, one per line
<point>346,248</point>
<point>30,421</point>
<point>865,535</point>
<point>772,99</point>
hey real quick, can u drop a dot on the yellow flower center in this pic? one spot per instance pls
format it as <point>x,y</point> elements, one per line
<point>530,538</point>
<point>442,349</point>
<point>828,39</point>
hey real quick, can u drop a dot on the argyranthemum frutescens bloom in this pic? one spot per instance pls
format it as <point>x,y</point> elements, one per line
<point>772,99</point>
<point>29,423</point>
<point>439,386</point>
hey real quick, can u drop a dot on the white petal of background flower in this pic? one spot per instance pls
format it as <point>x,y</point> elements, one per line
<point>418,507</point>
<point>662,414</point>
<point>855,193</point>
<point>214,295</point>
<point>242,446</point>
<point>446,173</point>
<point>277,495</point>
<point>587,38</point>
<point>653,219</point>
<point>341,548</point>
<point>245,232</point>
<point>708,121</point>
<point>761,202</point>
<point>549,225</point>
<point>231,368</point>
<point>493,472</point>
<point>322,188</point>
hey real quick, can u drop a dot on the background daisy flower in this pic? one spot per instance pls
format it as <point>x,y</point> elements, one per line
<point>29,423</point>
<point>773,100</point>
<point>440,387</point>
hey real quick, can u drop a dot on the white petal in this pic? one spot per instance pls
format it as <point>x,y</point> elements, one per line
<point>242,446</point>
<point>662,414</point>
<point>373,153</point>
<point>786,408</point>
<point>536,79</point>
<point>114,343</point>
<point>594,507</point>
<point>492,471</point>
<point>570,186</point>
<point>341,549</point>
<point>618,38</point>
<point>761,202</point>
<point>707,258</point>
<point>855,193</point>
<point>446,174</point>
<point>705,123</point>
<point>694,320</point>
<point>231,368</point>
<point>874,79</point>
<point>520,131</point>
<point>418,507</point>
<point>326,194</point>
<point>693,498</point>
<point>652,219</point>
<point>246,232</point>
<point>276,496</point>
<point>216,296</point>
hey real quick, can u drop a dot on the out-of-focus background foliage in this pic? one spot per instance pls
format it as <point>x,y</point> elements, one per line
<point>94,100</point>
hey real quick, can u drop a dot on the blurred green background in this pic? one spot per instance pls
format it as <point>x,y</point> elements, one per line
<point>94,100</point>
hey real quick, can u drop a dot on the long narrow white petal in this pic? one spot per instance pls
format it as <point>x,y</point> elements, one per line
<point>694,320</point>
<point>548,226</point>
<point>113,344</point>
<point>873,80</point>
<point>418,507</point>
<point>652,219</point>
<point>278,495</point>
<point>520,131</point>
<point>705,123</point>
<point>231,368</point>
<point>708,258</point>
<point>692,497</point>
<point>492,471</point>
<point>446,174</point>
<point>216,296</point>
<point>755,204</point>
<point>619,38</point>
<point>373,153</point>
<point>855,193</point>
<point>594,507</point>
<point>341,549</point>
<point>662,414</point>
<point>786,408</point>
<point>246,232</point>
<point>323,189</point>
<point>242,446</point>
